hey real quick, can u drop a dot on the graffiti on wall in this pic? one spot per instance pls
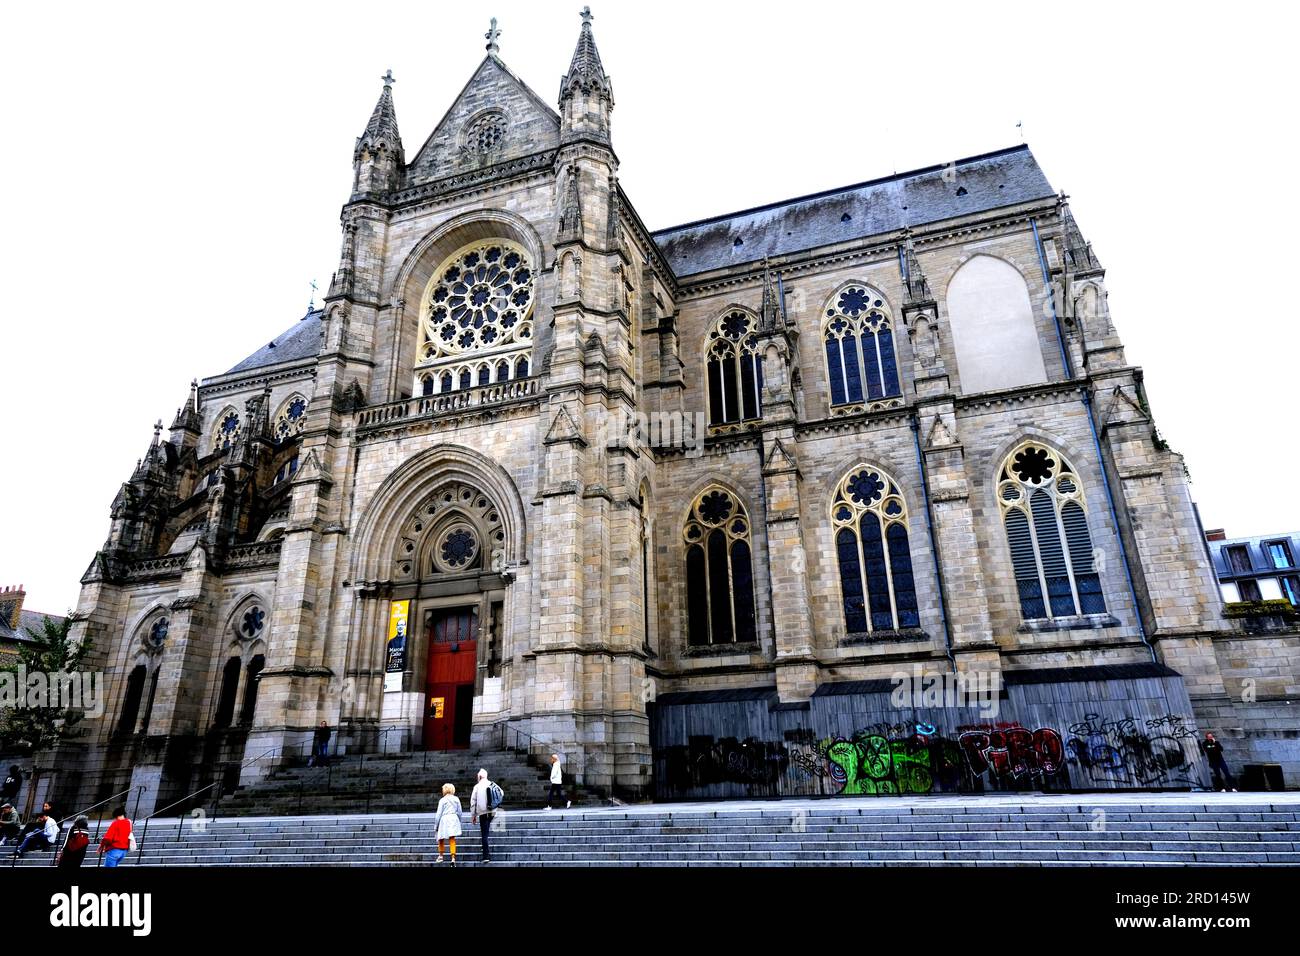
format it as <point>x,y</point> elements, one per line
<point>1155,752</point>
<point>917,758</point>
<point>1014,753</point>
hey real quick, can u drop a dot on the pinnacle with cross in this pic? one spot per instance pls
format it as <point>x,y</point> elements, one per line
<point>491,37</point>
<point>587,17</point>
<point>388,79</point>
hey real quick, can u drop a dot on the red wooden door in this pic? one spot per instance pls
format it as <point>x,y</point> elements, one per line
<point>452,638</point>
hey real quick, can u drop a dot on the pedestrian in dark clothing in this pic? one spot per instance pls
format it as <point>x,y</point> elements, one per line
<point>1213,750</point>
<point>482,809</point>
<point>13,782</point>
<point>74,848</point>
<point>320,749</point>
<point>10,825</point>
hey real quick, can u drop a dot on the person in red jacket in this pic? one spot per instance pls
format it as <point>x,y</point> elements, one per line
<point>117,839</point>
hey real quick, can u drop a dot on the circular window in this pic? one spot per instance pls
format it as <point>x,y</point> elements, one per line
<point>480,297</point>
<point>457,549</point>
<point>158,632</point>
<point>253,622</point>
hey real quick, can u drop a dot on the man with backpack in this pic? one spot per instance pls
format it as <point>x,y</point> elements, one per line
<point>484,800</point>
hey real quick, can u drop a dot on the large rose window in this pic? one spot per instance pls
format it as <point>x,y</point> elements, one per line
<point>480,300</point>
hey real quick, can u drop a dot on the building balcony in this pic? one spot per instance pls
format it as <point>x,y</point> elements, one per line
<point>444,404</point>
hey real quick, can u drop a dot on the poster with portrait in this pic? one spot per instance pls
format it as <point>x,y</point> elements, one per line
<point>395,656</point>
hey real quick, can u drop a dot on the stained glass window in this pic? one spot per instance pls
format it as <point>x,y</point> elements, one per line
<point>1043,510</point>
<point>719,571</point>
<point>735,370</point>
<point>229,427</point>
<point>291,418</point>
<point>480,299</point>
<point>875,560</point>
<point>861,366</point>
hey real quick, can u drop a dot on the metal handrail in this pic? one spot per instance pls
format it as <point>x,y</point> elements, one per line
<point>191,796</point>
<point>548,746</point>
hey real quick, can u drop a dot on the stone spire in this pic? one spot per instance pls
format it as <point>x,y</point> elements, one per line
<point>918,288</point>
<point>378,158</point>
<point>586,94</point>
<point>1079,257</point>
<point>187,416</point>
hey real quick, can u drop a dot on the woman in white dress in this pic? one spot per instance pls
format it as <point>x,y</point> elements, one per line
<point>448,821</point>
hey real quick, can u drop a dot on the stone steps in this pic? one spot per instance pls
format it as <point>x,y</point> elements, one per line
<point>391,783</point>
<point>836,832</point>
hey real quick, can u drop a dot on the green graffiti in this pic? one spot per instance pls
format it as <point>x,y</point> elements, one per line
<point>872,765</point>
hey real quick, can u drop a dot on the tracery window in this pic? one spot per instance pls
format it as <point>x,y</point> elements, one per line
<point>860,361</point>
<point>735,370</point>
<point>229,427</point>
<point>484,133</point>
<point>875,561</point>
<point>291,419</point>
<point>479,302</point>
<point>1043,509</point>
<point>719,571</point>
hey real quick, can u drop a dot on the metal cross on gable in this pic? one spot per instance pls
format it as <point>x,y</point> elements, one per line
<point>491,37</point>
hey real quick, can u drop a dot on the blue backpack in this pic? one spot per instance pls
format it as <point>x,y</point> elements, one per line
<point>494,795</point>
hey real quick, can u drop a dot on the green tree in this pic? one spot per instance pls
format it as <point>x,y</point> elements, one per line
<point>49,652</point>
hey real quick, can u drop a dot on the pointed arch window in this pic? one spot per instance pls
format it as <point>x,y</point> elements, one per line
<point>291,419</point>
<point>858,333</point>
<point>1043,510</point>
<point>229,427</point>
<point>719,571</point>
<point>228,693</point>
<point>735,370</point>
<point>875,560</point>
<point>131,700</point>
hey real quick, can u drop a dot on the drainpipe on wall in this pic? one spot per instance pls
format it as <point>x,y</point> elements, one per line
<point>1086,392</point>
<point>934,549</point>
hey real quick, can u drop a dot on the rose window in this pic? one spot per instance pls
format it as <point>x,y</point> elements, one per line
<point>480,300</point>
<point>457,549</point>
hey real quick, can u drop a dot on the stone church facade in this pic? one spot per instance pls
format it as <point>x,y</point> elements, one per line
<point>677,504</point>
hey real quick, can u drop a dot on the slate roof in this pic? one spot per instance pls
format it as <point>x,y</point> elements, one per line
<point>299,341</point>
<point>1003,178</point>
<point>26,619</point>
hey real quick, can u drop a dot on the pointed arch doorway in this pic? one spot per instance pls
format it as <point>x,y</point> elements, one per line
<point>443,663</point>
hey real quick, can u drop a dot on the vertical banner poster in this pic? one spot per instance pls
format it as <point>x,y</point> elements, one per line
<point>395,659</point>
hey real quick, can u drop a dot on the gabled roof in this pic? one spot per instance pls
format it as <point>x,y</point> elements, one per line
<point>533,126</point>
<point>1003,178</point>
<point>299,341</point>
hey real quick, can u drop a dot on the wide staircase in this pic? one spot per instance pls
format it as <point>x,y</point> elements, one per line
<point>1057,832</point>
<point>408,782</point>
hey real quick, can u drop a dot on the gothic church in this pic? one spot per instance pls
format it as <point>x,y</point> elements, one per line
<point>899,434</point>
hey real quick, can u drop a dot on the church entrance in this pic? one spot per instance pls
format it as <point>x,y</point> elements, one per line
<point>451,635</point>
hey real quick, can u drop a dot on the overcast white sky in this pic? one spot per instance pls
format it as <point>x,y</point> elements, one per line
<point>174,174</point>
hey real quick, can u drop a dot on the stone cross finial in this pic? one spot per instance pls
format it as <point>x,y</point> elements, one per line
<point>587,17</point>
<point>491,37</point>
<point>388,79</point>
